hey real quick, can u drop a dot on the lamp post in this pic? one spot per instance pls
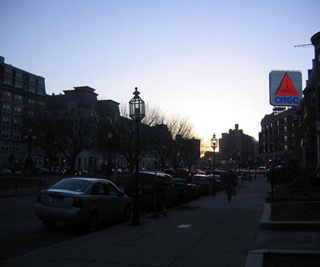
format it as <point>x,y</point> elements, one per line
<point>109,156</point>
<point>137,113</point>
<point>214,145</point>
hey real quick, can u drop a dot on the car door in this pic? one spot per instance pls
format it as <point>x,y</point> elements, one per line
<point>103,201</point>
<point>171,193</point>
<point>118,201</point>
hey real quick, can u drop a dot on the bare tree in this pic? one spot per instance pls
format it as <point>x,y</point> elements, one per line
<point>180,126</point>
<point>78,133</point>
<point>69,132</point>
<point>47,132</point>
<point>181,130</point>
<point>124,129</point>
<point>191,152</point>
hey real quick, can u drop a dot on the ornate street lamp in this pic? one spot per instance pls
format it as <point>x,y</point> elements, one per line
<point>137,113</point>
<point>214,145</point>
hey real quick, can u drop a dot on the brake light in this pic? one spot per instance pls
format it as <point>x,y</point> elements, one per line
<point>77,203</point>
<point>39,200</point>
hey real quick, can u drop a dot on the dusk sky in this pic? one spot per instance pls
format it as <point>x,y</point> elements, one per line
<point>206,60</point>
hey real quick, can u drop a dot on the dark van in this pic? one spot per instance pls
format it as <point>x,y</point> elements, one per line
<point>153,185</point>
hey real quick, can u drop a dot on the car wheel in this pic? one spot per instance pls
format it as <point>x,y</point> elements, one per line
<point>93,222</point>
<point>49,224</point>
<point>127,213</point>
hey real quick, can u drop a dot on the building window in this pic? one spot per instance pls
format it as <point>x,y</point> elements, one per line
<point>18,98</point>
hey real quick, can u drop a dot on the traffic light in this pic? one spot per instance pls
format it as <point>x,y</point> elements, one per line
<point>209,159</point>
<point>270,161</point>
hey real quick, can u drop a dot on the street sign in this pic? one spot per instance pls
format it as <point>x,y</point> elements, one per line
<point>285,88</point>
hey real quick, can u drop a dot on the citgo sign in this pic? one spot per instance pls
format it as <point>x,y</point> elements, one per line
<point>285,88</point>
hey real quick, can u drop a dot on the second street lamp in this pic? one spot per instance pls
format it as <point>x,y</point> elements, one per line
<point>137,113</point>
<point>214,145</point>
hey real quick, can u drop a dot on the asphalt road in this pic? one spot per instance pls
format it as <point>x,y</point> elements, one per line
<point>21,232</point>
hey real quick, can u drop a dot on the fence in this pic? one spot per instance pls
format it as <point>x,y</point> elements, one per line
<point>25,185</point>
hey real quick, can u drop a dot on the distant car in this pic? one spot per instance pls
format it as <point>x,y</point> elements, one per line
<point>186,191</point>
<point>82,200</point>
<point>4,171</point>
<point>153,185</point>
<point>54,170</point>
<point>262,170</point>
<point>117,170</point>
<point>207,171</point>
<point>43,170</point>
<point>203,183</point>
<point>219,183</point>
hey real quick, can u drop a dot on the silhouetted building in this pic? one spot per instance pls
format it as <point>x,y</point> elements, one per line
<point>309,113</point>
<point>293,135</point>
<point>191,153</point>
<point>21,95</point>
<point>84,98</point>
<point>277,139</point>
<point>238,146</point>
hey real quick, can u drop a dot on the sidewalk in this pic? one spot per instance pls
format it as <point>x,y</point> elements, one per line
<point>213,233</point>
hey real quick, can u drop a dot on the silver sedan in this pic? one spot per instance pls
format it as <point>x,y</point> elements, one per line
<point>82,200</point>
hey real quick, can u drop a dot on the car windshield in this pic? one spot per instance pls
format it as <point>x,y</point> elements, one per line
<point>71,185</point>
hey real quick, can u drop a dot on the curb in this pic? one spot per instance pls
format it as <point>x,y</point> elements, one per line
<point>285,225</point>
<point>255,257</point>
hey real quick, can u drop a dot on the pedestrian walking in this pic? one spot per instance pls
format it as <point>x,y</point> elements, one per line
<point>229,184</point>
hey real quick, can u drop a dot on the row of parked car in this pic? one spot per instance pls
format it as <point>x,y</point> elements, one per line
<point>92,201</point>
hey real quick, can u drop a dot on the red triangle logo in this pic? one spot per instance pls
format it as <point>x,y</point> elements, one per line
<point>286,87</point>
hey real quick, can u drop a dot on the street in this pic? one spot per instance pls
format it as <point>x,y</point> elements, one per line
<point>21,232</point>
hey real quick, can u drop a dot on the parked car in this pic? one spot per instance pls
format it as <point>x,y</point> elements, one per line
<point>5,171</point>
<point>82,200</point>
<point>262,170</point>
<point>43,170</point>
<point>207,171</point>
<point>186,191</point>
<point>203,183</point>
<point>198,171</point>
<point>54,170</point>
<point>153,185</point>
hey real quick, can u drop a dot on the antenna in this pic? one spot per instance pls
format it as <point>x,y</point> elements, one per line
<point>303,45</point>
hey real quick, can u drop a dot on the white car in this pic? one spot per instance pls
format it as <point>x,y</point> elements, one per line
<point>82,200</point>
<point>4,171</point>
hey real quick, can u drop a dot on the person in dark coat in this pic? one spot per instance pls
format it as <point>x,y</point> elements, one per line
<point>229,183</point>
